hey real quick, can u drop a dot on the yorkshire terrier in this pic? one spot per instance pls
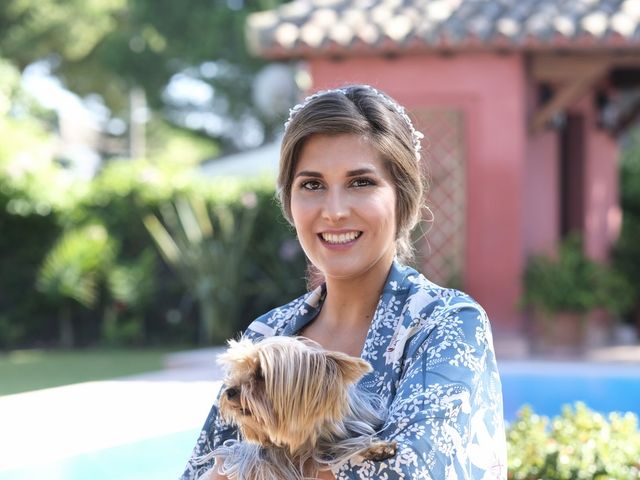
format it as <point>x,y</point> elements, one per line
<point>297,409</point>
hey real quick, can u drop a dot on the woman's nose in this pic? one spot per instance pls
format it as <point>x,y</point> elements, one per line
<point>336,206</point>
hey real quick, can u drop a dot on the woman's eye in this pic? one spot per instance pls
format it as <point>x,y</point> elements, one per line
<point>311,185</point>
<point>362,182</point>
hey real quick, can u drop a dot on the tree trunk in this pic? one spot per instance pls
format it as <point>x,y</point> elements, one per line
<point>66,336</point>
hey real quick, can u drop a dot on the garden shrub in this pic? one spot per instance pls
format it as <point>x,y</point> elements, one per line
<point>626,253</point>
<point>579,444</point>
<point>119,198</point>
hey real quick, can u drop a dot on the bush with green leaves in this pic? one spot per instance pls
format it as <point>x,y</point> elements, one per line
<point>626,253</point>
<point>579,444</point>
<point>28,225</point>
<point>268,273</point>
<point>72,272</point>
<point>138,298</point>
<point>572,282</point>
<point>207,247</point>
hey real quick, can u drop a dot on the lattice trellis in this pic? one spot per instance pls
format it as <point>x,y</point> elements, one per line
<point>440,251</point>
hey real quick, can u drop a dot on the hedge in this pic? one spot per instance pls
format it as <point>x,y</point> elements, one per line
<point>138,298</point>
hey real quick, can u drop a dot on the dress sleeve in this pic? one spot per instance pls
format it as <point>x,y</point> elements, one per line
<point>213,434</point>
<point>446,415</point>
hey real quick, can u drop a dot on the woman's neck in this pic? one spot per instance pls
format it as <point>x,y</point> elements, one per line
<point>352,302</point>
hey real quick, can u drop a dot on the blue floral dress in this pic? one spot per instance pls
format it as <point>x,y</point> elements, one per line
<point>433,364</point>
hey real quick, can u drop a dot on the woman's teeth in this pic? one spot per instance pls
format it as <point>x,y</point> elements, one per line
<point>340,238</point>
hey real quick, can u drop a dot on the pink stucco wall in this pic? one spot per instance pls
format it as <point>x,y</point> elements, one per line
<point>602,214</point>
<point>490,91</point>
<point>541,219</point>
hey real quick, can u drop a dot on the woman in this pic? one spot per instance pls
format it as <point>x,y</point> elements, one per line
<point>350,183</point>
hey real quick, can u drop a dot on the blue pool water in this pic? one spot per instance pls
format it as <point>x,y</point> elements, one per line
<point>544,386</point>
<point>153,459</point>
<point>549,386</point>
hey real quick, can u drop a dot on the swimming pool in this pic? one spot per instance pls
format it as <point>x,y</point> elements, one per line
<point>154,459</point>
<point>543,385</point>
<point>547,386</point>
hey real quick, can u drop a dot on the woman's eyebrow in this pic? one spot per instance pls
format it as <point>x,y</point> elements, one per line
<point>350,173</point>
<point>307,173</point>
<point>360,171</point>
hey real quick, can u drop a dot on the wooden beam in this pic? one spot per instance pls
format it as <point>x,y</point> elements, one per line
<point>568,94</point>
<point>561,68</point>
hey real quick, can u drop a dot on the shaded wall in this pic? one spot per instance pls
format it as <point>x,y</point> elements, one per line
<point>541,219</point>
<point>602,214</point>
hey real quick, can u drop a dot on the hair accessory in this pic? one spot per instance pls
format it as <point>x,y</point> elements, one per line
<point>399,109</point>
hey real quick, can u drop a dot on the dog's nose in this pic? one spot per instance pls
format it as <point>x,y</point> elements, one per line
<point>232,392</point>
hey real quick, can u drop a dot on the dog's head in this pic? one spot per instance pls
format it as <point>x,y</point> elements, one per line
<point>285,390</point>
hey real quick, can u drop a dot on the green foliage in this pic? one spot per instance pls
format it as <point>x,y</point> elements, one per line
<point>110,46</point>
<point>626,254</point>
<point>74,266</point>
<point>207,247</point>
<point>73,270</point>
<point>131,297</point>
<point>571,282</point>
<point>173,147</point>
<point>132,287</point>
<point>32,29</point>
<point>137,299</point>
<point>579,444</point>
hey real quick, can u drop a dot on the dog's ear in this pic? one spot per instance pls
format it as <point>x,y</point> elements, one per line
<point>351,368</point>
<point>240,354</point>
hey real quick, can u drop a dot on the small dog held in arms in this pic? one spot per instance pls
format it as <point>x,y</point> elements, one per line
<point>298,410</point>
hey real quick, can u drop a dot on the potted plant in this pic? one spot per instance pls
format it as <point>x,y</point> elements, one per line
<point>564,290</point>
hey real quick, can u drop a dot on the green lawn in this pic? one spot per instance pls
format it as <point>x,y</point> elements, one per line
<point>25,370</point>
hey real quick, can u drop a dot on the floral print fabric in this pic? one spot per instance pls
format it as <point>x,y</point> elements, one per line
<point>434,367</point>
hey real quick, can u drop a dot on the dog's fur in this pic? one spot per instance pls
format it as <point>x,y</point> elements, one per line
<point>298,410</point>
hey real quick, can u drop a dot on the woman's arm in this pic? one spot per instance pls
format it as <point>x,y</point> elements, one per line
<point>446,416</point>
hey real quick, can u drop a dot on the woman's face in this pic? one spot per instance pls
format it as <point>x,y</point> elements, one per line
<point>343,206</point>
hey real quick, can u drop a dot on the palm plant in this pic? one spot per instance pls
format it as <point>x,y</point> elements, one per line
<point>206,246</point>
<point>71,273</point>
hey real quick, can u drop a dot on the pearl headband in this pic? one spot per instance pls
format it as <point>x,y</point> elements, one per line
<point>391,104</point>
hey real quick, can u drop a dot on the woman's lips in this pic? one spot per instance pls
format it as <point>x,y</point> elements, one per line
<point>339,240</point>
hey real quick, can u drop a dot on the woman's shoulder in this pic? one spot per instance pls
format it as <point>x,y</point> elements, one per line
<point>428,306</point>
<point>439,322</point>
<point>422,293</point>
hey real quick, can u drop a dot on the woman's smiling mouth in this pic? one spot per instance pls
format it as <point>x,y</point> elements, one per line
<point>340,238</point>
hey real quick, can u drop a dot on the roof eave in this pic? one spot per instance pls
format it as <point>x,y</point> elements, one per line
<point>388,48</point>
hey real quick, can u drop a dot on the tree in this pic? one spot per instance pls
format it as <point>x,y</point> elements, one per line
<point>112,46</point>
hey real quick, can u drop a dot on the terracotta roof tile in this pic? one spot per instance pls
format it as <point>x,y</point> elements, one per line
<point>317,27</point>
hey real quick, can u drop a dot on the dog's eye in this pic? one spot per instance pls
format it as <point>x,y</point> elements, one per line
<point>258,374</point>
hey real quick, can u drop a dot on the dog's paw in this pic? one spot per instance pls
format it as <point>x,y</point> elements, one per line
<point>380,451</point>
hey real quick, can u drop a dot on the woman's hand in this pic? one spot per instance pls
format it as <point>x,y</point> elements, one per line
<point>326,475</point>
<point>214,474</point>
<point>318,474</point>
